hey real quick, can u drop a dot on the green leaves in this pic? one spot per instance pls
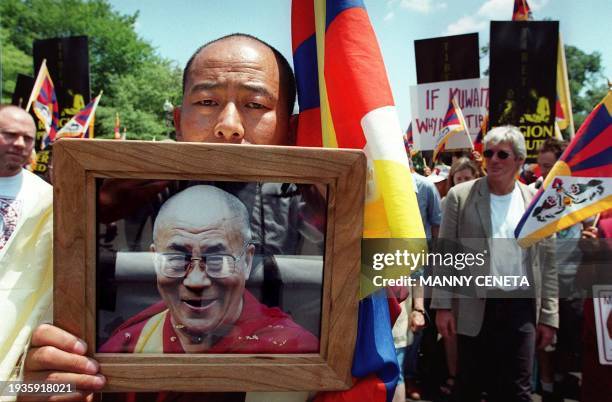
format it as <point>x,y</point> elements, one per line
<point>136,81</point>
<point>586,81</point>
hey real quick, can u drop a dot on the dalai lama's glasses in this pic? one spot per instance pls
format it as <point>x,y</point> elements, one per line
<point>176,265</point>
<point>500,154</point>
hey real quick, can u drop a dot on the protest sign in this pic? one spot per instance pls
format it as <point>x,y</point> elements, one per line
<point>447,58</point>
<point>429,103</point>
<point>523,68</point>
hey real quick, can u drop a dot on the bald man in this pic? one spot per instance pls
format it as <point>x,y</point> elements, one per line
<point>202,259</point>
<point>25,239</point>
<point>236,89</point>
<point>18,187</point>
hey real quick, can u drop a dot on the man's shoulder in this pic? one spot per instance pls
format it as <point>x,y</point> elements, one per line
<point>124,338</point>
<point>462,190</point>
<point>35,182</point>
<point>422,182</point>
<point>527,189</point>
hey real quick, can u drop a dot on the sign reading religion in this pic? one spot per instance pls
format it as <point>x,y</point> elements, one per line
<point>429,103</point>
<point>68,64</point>
<point>523,73</point>
<point>447,58</point>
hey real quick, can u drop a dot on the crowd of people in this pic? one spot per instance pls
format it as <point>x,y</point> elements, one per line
<point>504,343</point>
<point>238,89</point>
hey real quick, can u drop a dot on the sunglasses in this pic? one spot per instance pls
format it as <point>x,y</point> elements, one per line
<point>500,154</point>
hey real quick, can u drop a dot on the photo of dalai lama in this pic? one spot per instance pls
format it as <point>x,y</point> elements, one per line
<point>202,257</point>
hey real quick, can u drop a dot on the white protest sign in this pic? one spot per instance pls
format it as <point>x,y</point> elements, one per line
<point>429,103</point>
<point>602,302</point>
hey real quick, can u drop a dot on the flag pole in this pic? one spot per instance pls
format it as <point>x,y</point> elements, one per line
<point>562,64</point>
<point>463,123</point>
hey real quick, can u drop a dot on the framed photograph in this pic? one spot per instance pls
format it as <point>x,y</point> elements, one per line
<point>209,267</point>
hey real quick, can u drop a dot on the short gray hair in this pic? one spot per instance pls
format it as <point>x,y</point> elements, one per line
<point>509,134</point>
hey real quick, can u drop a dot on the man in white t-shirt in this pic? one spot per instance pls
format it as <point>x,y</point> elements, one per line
<point>19,189</point>
<point>499,326</point>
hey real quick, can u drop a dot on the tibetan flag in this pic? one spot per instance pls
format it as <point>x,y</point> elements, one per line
<point>479,141</point>
<point>579,184</point>
<point>345,101</point>
<point>521,11</point>
<point>44,103</point>
<point>409,142</point>
<point>117,126</point>
<point>78,125</point>
<point>452,124</point>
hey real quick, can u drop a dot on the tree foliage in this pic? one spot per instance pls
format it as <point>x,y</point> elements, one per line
<point>587,83</point>
<point>135,80</point>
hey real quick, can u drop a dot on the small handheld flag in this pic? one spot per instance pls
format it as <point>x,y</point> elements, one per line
<point>78,125</point>
<point>521,11</point>
<point>453,124</point>
<point>479,141</point>
<point>409,141</point>
<point>45,105</point>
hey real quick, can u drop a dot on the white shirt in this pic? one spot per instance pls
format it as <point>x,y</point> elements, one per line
<point>18,196</point>
<point>507,257</point>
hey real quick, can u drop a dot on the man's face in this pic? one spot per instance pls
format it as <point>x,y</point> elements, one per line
<point>546,160</point>
<point>233,95</point>
<point>17,131</point>
<point>203,305</point>
<point>500,169</point>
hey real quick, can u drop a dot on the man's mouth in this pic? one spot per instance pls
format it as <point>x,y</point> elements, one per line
<point>199,305</point>
<point>15,154</point>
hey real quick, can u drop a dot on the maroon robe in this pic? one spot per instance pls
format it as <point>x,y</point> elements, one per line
<point>259,329</point>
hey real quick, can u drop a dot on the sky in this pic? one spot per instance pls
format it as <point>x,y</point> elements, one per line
<point>176,28</point>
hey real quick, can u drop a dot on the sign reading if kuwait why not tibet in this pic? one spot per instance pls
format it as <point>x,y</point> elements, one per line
<point>429,103</point>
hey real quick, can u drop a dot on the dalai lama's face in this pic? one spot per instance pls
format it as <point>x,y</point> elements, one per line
<point>202,264</point>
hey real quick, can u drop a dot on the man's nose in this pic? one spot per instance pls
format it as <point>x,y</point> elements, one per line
<point>229,127</point>
<point>19,142</point>
<point>196,277</point>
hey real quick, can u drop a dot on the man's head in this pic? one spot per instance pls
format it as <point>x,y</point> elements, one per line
<point>237,89</point>
<point>202,259</point>
<point>549,153</point>
<point>17,133</point>
<point>504,152</point>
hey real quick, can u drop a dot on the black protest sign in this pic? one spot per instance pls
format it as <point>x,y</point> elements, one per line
<point>523,68</point>
<point>447,58</point>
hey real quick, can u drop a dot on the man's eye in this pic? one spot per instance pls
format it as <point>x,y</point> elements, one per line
<point>207,102</point>
<point>255,105</point>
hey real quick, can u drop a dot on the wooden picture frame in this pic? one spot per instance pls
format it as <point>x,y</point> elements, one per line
<point>78,164</point>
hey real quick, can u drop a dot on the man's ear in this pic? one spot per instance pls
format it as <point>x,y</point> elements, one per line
<point>176,117</point>
<point>293,127</point>
<point>248,260</point>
